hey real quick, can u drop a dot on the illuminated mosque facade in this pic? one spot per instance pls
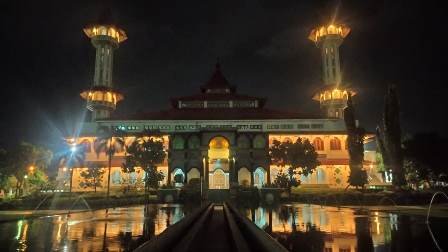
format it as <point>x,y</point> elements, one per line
<point>218,135</point>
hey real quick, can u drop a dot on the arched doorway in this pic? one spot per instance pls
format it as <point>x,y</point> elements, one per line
<point>259,177</point>
<point>218,163</point>
<point>244,177</point>
<point>178,177</point>
<point>193,174</point>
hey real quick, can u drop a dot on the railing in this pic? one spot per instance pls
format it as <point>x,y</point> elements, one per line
<point>191,233</point>
<point>169,238</point>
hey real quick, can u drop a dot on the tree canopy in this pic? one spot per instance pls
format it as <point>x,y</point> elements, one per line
<point>424,154</point>
<point>147,152</point>
<point>299,157</point>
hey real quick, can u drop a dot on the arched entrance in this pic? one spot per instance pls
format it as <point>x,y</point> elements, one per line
<point>244,177</point>
<point>178,177</point>
<point>193,174</point>
<point>218,163</point>
<point>259,177</point>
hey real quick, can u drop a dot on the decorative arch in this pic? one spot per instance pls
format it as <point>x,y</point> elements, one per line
<point>274,171</point>
<point>193,173</point>
<point>260,177</point>
<point>243,176</point>
<point>194,142</point>
<point>218,148</point>
<point>178,143</point>
<point>335,143</point>
<point>321,175</point>
<point>243,142</point>
<point>259,142</point>
<point>218,142</point>
<point>219,179</point>
<point>133,178</point>
<point>318,144</point>
<point>116,177</point>
<point>179,174</point>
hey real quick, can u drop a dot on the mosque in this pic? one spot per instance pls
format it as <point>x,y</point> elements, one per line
<point>218,135</point>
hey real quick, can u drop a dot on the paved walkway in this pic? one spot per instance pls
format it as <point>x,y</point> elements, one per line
<point>216,236</point>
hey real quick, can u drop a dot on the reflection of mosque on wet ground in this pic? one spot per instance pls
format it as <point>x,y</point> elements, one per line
<point>339,226</point>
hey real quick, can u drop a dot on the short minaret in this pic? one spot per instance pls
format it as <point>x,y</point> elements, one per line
<point>102,98</point>
<point>333,96</point>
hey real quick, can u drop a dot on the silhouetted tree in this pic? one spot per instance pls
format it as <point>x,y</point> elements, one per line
<point>92,177</point>
<point>389,138</point>
<point>355,141</point>
<point>425,159</point>
<point>17,161</point>
<point>110,142</point>
<point>148,152</point>
<point>299,157</point>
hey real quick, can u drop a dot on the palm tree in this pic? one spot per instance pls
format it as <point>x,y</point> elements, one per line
<point>110,143</point>
<point>75,155</point>
<point>147,153</point>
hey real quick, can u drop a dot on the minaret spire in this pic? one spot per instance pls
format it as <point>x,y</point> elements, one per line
<point>102,98</point>
<point>333,96</point>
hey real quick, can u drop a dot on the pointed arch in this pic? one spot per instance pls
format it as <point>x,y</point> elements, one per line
<point>318,144</point>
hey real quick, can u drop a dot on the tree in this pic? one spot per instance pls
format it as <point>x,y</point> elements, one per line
<point>128,167</point>
<point>92,177</point>
<point>37,179</point>
<point>355,141</point>
<point>148,152</point>
<point>73,156</point>
<point>300,157</point>
<point>23,160</point>
<point>109,142</point>
<point>424,159</point>
<point>389,138</point>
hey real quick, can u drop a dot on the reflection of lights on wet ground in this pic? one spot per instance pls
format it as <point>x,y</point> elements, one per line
<point>19,228</point>
<point>377,222</point>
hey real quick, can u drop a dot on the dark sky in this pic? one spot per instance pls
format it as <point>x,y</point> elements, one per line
<point>173,45</point>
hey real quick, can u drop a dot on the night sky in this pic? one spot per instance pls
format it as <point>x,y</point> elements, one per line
<point>173,46</point>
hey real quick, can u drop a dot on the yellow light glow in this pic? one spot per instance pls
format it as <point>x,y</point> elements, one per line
<point>332,29</point>
<point>106,30</point>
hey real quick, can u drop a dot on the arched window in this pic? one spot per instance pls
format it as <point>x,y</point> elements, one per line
<point>243,142</point>
<point>194,142</point>
<point>178,177</point>
<point>178,143</point>
<point>318,144</point>
<point>116,177</point>
<point>259,177</point>
<point>243,176</point>
<point>133,178</point>
<point>193,174</point>
<point>259,142</point>
<point>335,144</point>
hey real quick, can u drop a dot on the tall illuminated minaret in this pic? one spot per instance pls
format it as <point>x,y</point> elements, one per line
<point>102,98</point>
<point>333,95</point>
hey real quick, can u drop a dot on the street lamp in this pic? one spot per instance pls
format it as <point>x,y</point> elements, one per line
<point>31,168</point>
